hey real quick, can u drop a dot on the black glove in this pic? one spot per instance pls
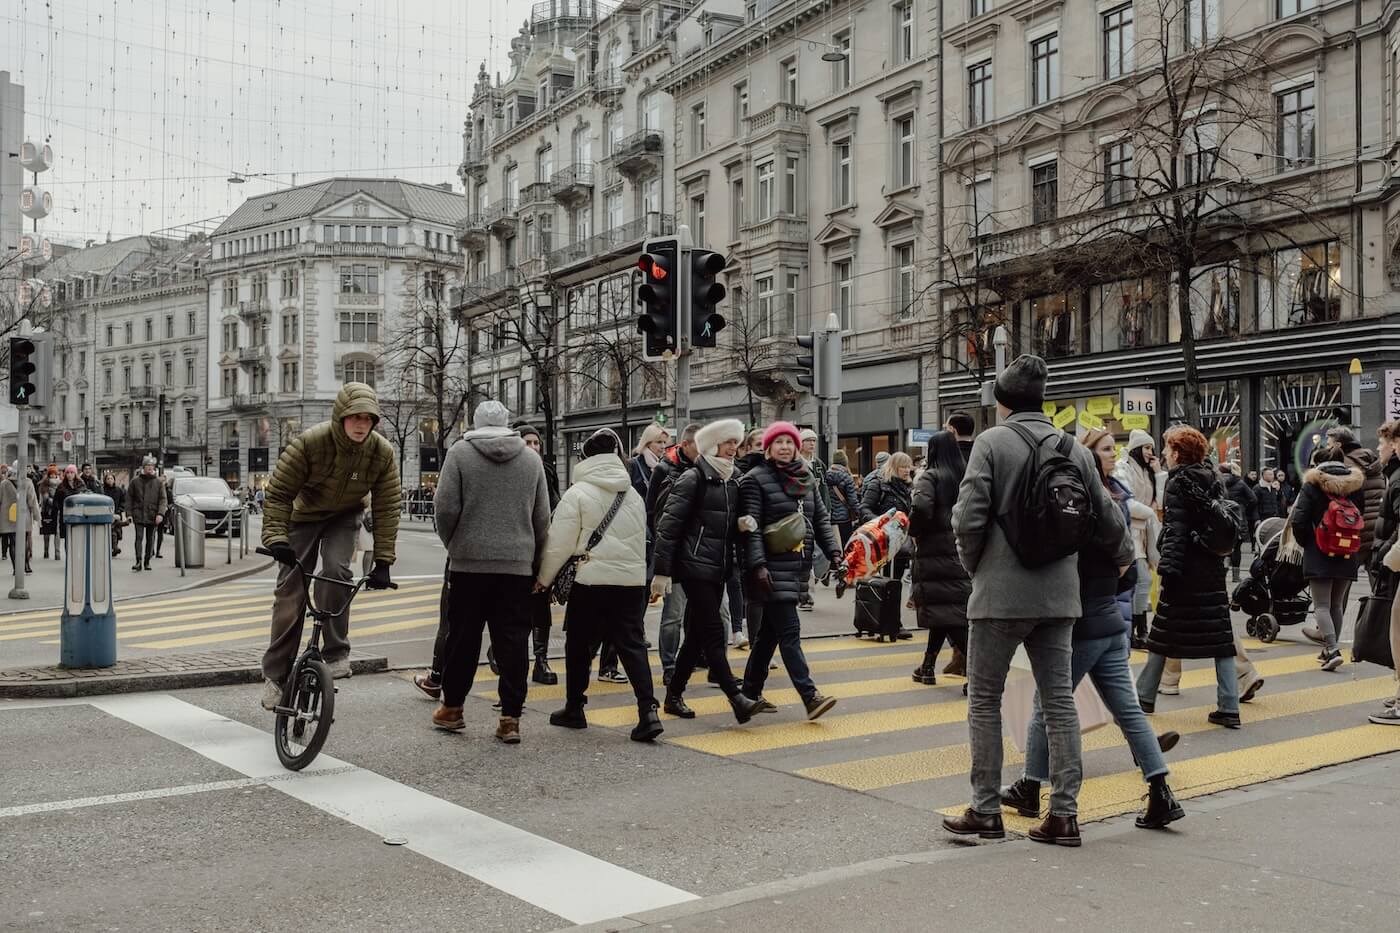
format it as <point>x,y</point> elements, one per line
<point>838,569</point>
<point>282,553</point>
<point>379,576</point>
<point>760,582</point>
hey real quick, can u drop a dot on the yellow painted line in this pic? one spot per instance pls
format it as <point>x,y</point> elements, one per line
<point>424,615</point>
<point>246,616</point>
<point>742,741</point>
<point>1114,794</point>
<point>950,760</point>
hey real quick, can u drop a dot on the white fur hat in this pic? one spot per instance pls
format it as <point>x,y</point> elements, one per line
<point>708,438</point>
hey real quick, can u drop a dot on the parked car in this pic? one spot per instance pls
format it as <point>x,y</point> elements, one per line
<point>212,497</point>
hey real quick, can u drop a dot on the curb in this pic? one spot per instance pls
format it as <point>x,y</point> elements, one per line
<point>229,577</point>
<point>99,685</point>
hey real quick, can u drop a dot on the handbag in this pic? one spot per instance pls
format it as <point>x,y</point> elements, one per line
<point>1371,640</point>
<point>786,535</point>
<point>563,583</point>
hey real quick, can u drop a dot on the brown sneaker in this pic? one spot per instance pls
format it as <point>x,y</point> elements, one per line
<point>509,730</point>
<point>449,718</point>
<point>427,686</point>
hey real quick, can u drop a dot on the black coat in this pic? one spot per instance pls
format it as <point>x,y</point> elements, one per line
<point>641,476</point>
<point>1308,512</point>
<point>1238,492</point>
<point>763,496</point>
<point>673,463</point>
<point>118,497</point>
<point>62,493</point>
<point>1193,609</point>
<point>879,496</point>
<point>697,529</point>
<point>1269,502</point>
<point>941,585</point>
<point>1099,580</point>
<point>845,501</point>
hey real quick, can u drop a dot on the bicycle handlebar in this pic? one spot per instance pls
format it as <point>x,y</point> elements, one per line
<point>354,586</point>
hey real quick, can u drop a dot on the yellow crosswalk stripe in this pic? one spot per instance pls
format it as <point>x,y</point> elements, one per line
<point>247,616</point>
<point>950,760</point>
<point>1113,794</point>
<point>423,615</point>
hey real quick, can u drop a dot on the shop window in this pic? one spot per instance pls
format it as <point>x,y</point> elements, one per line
<point>1294,411</point>
<point>974,349</point>
<point>1299,286</point>
<point>1124,315</point>
<point>1054,325</point>
<point>1220,417</point>
<point>1215,302</point>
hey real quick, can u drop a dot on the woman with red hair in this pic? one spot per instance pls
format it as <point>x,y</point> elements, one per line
<point>1193,610</point>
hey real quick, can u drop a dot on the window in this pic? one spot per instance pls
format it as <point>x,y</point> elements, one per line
<point>289,375</point>
<point>230,382</point>
<point>741,106</point>
<point>1292,7</point>
<point>506,391</point>
<point>1123,316</point>
<point>1054,321</point>
<point>1203,151</point>
<point>982,205</point>
<point>697,127</point>
<point>359,279</point>
<point>612,205</point>
<point>1297,122</point>
<point>150,330</point>
<point>63,409</point>
<point>1045,69</point>
<point>127,330</point>
<point>1118,41</point>
<point>106,427</point>
<point>126,425</point>
<point>327,233</point>
<point>904,31</point>
<point>359,327</point>
<point>107,382</point>
<point>790,188</point>
<point>435,281</point>
<point>189,422</point>
<point>651,195</point>
<point>230,292</point>
<point>904,152</point>
<point>788,323</point>
<point>1202,22</point>
<point>1215,301</point>
<point>82,404</point>
<point>697,218</point>
<point>841,71</point>
<point>126,378</point>
<point>978,7</point>
<point>736,207</point>
<point>764,183</point>
<point>109,334</point>
<point>189,371</point>
<point>842,285</point>
<point>1118,180</point>
<point>230,336</point>
<point>359,371</point>
<point>979,93</point>
<point>168,372</point>
<point>1045,192</point>
<point>170,327</point>
<point>190,323</point>
<point>902,260</point>
<point>146,375</point>
<point>789,85</point>
<point>82,361</point>
<point>841,173</point>
<point>1300,286</point>
<point>763,287</point>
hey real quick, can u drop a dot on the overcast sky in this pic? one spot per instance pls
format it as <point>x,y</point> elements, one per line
<point>155,102</point>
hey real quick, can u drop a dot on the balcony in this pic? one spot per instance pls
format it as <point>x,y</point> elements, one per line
<point>780,116</point>
<point>609,81</point>
<point>478,295</point>
<point>617,241</point>
<point>472,231</point>
<point>249,401</point>
<point>537,193</point>
<point>377,250</point>
<point>573,185</point>
<point>142,393</point>
<point>500,217</point>
<point>254,308</point>
<point>567,14</point>
<point>247,355</point>
<point>775,232</point>
<point>474,163</point>
<point>637,155</point>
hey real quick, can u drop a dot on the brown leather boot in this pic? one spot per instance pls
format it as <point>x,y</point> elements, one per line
<point>449,718</point>
<point>1057,830</point>
<point>957,664</point>
<point>972,823</point>
<point>509,730</point>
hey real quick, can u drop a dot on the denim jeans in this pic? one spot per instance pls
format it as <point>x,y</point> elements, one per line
<point>673,623</point>
<point>1227,695</point>
<point>1329,607</point>
<point>1105,661</point>
<point>776,625</point>
<point>990,647</point>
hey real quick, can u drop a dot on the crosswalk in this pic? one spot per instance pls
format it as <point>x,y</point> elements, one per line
<point>904,741</point>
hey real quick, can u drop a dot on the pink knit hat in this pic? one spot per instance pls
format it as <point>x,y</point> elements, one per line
<point>777,429</point>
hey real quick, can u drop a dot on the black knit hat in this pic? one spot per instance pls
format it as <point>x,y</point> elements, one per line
<point>602,441</point>
<point>1021,386</point>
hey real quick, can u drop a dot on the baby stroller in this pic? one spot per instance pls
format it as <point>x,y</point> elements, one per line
<point>1274,594</point>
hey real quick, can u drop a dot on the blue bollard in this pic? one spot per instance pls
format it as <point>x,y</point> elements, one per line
<point>87,635</point>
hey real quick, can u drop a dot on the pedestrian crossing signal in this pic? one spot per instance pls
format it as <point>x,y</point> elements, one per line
<point>705,293</point>
<point>22,370</point>
<point>656,298</point>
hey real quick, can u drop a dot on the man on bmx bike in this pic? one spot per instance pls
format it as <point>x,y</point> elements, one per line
<point>313,503</point>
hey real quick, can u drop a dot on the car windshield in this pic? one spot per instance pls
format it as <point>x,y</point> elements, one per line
<point>201,486</point>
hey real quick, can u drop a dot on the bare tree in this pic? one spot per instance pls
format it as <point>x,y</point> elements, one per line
<point>15,308</point>
<point>606,350</point>
<point>428,356</point>
<point>401,410</point>
<point>754,355</point>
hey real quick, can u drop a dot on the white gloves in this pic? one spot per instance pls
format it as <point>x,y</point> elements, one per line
<point>1392,559</point>
<point>747,523</point>
<point>660,586</point>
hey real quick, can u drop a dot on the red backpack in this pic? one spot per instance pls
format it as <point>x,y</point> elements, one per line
<point>1339,532</point>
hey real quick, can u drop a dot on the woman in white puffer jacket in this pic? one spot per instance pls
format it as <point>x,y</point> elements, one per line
<point>608,599</point>
<point>1139,471</point>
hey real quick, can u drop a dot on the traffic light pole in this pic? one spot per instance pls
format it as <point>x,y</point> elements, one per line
<point>682,306</point>
<point>22,518</point>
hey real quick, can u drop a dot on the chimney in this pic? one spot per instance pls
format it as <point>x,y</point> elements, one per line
<point>446,186</point>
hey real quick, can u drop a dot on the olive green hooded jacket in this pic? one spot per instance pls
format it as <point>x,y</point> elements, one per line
<point>322,473</point>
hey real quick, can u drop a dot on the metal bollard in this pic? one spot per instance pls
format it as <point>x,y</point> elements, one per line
<point>87,634</point>
<point>180,540</point>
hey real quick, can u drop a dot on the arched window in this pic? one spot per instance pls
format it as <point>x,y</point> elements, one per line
<point>359,371</point>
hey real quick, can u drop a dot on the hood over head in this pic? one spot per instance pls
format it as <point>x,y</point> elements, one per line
<point>354,398</point>
<point>1336,479</point>
<point>1365,459</point>
<point>604,470</point>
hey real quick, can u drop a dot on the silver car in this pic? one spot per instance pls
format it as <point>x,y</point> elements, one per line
<point>212,497</point>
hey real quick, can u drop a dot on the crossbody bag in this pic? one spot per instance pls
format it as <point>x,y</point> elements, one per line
<point>564,580</point>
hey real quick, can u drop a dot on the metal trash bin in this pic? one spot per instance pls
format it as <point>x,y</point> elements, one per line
<point>87,634</point>
<point>189,525</point>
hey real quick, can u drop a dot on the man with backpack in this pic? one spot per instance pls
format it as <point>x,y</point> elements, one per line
<point>1029,500</point>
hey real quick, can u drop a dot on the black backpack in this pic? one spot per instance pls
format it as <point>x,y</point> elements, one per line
<point>1221,526</point>
<point>1052,515</point>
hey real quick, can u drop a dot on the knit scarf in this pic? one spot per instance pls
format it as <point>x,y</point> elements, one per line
<point>649,458</point>
<point>722,466</point>
<point>796,476</point>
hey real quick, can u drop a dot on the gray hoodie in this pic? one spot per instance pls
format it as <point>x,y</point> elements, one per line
<point>492,504</point>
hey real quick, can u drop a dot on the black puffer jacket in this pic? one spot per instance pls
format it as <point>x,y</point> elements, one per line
<point>763,496</point>
<point>1193,610</point>
<point>673,463</point>
<point>1319,484</point>
<point>845,501</point>
<point>1373,493</point>
<point>1269,501</point>
<point>748,461</point>
<point>941,585</point>
<point>696,531</point>
<point>880,495</point>
<point>1238,492</point>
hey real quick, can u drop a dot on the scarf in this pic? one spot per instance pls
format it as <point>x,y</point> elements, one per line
<point>722,466</point>
<point>795,476</point>
<point>649,458</point>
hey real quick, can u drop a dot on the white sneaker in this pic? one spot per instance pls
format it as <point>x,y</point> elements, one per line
<point>733,637</point>
<point>741,641</point>
<point>1313,634</point>
<point>1169,690</point>
<point>339,669</point>
<point>271,695</point>
<point>1248,683</point>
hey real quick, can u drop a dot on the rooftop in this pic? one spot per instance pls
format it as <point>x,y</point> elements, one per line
<point>420,201</point>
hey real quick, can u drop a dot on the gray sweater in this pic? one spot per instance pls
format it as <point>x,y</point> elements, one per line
<point>1003,588</point>
<point>492,504</point>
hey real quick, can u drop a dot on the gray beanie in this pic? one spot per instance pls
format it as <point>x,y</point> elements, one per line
<point>1021,386</point>
<point>490,414</point>
<point>882,458</point>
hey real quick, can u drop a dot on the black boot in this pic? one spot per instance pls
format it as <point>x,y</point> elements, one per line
<point>542,674</point>
<point>648,725</point>
<point>1162,807</point>
<point>743,707</point>
<point>570,717</point>
<point>675,706</point>
<point>491,660</point>
<point>1139,641</point>
<point>1023,797</point>
<point>926,673</point>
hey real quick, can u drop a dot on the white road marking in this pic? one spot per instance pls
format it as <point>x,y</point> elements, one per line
<point>539,871</point>
<point>78,803</point>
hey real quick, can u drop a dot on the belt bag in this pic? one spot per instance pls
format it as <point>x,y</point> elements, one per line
<point>786,535</point>
<point>563,583</point>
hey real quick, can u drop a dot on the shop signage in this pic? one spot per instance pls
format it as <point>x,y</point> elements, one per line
<point>1065,417</point>
<point>1392,394</point>
<point>919,437</point>
<point>1368,382</point>
<point>1090,421</point>
<point>1100,406</point>
<point>1137,422</point>
<point>1139,402</point>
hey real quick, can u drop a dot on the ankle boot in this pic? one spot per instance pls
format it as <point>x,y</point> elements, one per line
<point>648,725</point>
<point>542,673</point>
<point>1139,640</point>
<point>1162,807</point>
<point>925,673</point>
<point>743,707</point>
<point>957,665</point>
<point>1023,796</point>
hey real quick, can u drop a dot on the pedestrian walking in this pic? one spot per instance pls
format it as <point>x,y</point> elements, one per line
<point>748,456</point>
<point>941,584</point>
<point>146,500</point>
<point>315,503</point>
<point>1238,492</point>
<point>1372,486</point>
<point>782,522</point>
<point>9,514</point>
<point>72,485</point>
<point>541,616</point>
<point>1193,609</point>
<point>1141,474</point>
<point>1100,651</point>
<point>695,546</point>
<point>48,517</point>
<point>674,462</point>
<point>646,457</point>
<point>88,477</point>
<point>845,501</point>
<point>882,458</point>
<point>1268,496</point>
<point>820,566</point>
<point>1014,603</point>
<point>1385,556</point>
<point>601,520</point>
<point>117,494</point>
<point>891,490</point>
<point>1326,525</point>
<point>492,507</point>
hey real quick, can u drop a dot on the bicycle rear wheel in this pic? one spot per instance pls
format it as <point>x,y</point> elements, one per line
<point>308,702</point>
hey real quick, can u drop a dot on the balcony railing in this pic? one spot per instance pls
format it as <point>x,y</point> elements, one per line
<point>483,289</point>
<point>253,308</point>
<point>245,401</point>
<point>611,242</point>
<point>780,116</point>
<point>573,183</point>
<point>139,393</point>
<point>775,231</point>
<point>257,354</point>
<point>546,12</point>
<point>632,154</point>
<point>537,193</point>
<point>609,80</point>
<point>502,213</point>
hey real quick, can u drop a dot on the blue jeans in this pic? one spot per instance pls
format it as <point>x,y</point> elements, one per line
<point>1105,660</point>
<point>1227,697</point>
<point>776,625</point>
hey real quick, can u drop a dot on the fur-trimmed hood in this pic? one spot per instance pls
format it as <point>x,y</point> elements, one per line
<point>1335,479</point>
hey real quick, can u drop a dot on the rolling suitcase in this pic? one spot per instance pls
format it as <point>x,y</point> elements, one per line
<point>878,604</point>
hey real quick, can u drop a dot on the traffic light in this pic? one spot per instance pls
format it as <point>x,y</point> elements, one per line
<point>657,297</point>
<point>823,364</point>
<point>812,362</point>
<point>705,293</point>
<point>22,370</point>
<point>1342,415</point>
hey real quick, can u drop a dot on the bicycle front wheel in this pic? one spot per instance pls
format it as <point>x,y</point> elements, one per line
<point>304,719</point>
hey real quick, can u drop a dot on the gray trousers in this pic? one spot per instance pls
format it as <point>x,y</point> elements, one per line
<point>991,644</point>
<point>334,539</point>
<point>672,623</point>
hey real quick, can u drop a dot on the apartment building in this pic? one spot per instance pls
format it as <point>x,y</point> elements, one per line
<point>318,285</point>
<point>1115,171</point>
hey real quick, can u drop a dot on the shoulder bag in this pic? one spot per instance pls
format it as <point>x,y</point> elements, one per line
<point>564,580</point>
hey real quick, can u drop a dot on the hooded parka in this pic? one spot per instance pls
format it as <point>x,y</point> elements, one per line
<point>1320,484</point>
<point>1193,610</point>
<point>620,557</point>
<point>941,585</point>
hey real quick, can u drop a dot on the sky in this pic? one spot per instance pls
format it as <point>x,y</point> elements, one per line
<point>151,104</point>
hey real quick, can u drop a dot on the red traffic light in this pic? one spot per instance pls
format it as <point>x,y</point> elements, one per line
<point>652,266</point>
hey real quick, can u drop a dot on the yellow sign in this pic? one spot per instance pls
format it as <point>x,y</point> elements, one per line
<point>1102,405</point>
<point>1065,417</point>
<point>1117,412</point>
<point>1090,421</point>
<point>1136,422</point>
<point>1049,408</point>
